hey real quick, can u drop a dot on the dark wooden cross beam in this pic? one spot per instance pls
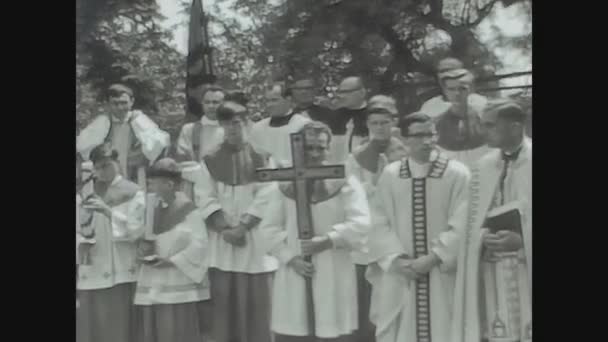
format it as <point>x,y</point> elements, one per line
<point>302,176</point>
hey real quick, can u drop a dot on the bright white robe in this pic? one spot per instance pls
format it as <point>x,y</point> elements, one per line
<point>235,201</point>
<point>345,218</point>
<point>438,105</point>
<point>153,140</point>
<point>212,134</point>
<point>471,323</point>
<point>113,254</point>
<point>442,192</point>
<point>275,141</point>
<point>185,281</point>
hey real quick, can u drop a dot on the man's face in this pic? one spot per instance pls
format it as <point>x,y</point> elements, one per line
<point>455,91</point>
<point>316,149</point>
<point>277,105</point>
<point>421,140</point>
<point>498,131</point>
<point>303,92</point>
<point>379,126</point>
<point>162,187</point>
<point>121,104</point>
<point>233,129</point>
<point>211,101</point>
<point>350,94</point>
<point>105,170</point>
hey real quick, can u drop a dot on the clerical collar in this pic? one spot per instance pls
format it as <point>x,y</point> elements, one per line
<point>208,122</point>
<point>512,156</point>
<point>117,179</point>
<point>279,121</point>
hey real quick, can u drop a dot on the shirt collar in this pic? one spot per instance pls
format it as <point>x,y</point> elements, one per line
<point>208,122</point>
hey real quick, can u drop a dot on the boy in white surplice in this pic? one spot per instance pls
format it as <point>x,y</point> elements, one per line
<point>233,202</point>
<point>172,278</point>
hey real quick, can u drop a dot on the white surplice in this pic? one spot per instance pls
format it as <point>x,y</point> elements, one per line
<point>471,319</point>
<point>211,135</point>
<point>275,141</point>
<point>185,281</point>
<point>344,217</point>
<point>434,196</point>
<point>113,254</point>
<point>235,201</point>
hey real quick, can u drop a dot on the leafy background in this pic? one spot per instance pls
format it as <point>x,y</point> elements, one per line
<point>393,44</point>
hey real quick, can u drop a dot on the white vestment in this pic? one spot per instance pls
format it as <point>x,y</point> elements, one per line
<point>275,141</point>
<point>152,139</point>
<point>422,210</point>
<point>211,135</point>
<point>472,321</point>
<point>185,245</point>
<point>344,217</point>
<point>112,256</point>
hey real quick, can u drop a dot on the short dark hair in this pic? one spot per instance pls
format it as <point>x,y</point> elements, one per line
<point>507,109</point>
<point>408,120</point>
<point>237,96</point>
<point>117,90</point>
<point>318,127</point>
<point>103,151</point>
<point>285,90</point>
<point>213,88</point>
<point>230,109</point>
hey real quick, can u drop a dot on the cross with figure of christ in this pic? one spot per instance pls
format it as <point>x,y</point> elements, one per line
<point>302,176</point>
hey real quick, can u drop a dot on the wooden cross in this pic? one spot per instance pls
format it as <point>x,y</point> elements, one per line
<point>302,177</point>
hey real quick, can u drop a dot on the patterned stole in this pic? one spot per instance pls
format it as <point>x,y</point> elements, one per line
<point>503,277</point>
<point>421,238</point>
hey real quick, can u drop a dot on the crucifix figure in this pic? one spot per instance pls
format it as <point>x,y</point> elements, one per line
<point>302,176</point>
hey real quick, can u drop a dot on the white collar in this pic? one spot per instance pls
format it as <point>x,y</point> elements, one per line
<point>126,119</point>
<point>208,122</point>
<point>117,179</point>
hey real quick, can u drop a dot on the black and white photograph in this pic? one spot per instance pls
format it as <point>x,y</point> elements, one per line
<point>303,171</point>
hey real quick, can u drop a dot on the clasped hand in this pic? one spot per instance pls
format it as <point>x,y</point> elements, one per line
<point>503,241</point>
<point>235,235</point>
<point>95,203</point>
<point>316,245</point>
<point>416,268</point>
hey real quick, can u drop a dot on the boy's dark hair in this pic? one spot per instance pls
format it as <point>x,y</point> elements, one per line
<point>408,120</point>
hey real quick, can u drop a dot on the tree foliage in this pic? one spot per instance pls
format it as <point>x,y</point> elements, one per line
<point>392,44</point>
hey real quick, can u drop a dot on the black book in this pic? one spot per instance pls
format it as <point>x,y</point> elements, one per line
<point>506,217</point>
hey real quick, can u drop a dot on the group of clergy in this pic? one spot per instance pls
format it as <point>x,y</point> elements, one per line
<point>426,238</point>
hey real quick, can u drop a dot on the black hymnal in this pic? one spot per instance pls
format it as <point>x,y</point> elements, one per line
<point>506,217</point>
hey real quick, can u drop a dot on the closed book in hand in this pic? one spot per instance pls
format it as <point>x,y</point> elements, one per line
<point>506,217</point>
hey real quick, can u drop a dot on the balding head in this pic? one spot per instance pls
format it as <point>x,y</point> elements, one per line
<point>351,93</point>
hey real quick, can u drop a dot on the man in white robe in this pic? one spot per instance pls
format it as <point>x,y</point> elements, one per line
<point>366,164</point>
<point>196,139</point>
<point>173,277</point>
<point>413,248</point>
<point>137,139</point>
<point>494,282</point>
<point>113,219</point>
<point>340,217</point>
<point>233,203</point>
<point>271,136</point>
